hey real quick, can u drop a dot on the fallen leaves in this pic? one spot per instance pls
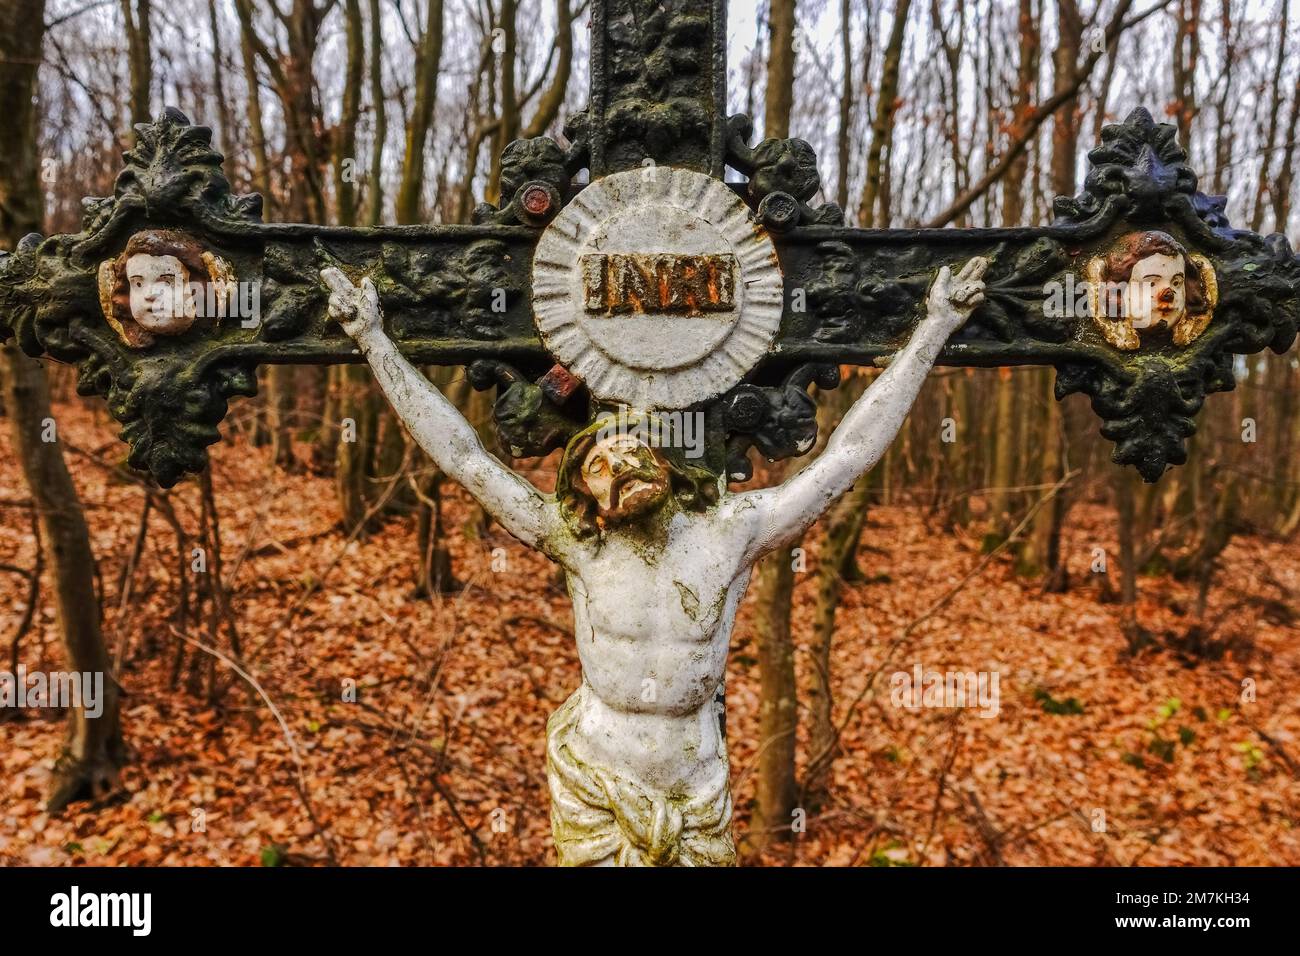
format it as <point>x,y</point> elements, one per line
<point>437,757</point>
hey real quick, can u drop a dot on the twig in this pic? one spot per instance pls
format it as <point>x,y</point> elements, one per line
<point>541,621</point>
<point>943,782</point>
<point>939,605</point>
<point>33,593</point>
<point>126,581</point>
<point>1272,742</point>
<point>440,762</point>
<point>989,833</point>
<point>419,810</point>
<point>300,779</point>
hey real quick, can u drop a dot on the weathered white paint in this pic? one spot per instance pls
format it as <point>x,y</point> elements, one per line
<point>636,762</point>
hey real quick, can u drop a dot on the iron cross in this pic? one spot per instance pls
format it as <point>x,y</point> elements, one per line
<point>489,294</point>
<point>654,287</point>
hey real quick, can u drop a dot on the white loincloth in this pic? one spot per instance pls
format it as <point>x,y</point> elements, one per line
<point>600,817</point>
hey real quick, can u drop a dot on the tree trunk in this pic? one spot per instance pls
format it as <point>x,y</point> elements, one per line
<point>780,69</point>
<point>1275,100</point>
<point>434,573</point>
<point>507,126</point>
<point>1041,553</point>
<point>92,750</point>
<point>1045,551</point>
<point>358,420</point>
<point>261,172</point>
<point>548,107</point>
<point>840,543</point>
<point>777,791</point>
<point>294,84</point>
<point>1065,125</point>
<point>882,125</point>
<point>228,133</point>
<point>434,570</point>
<point>843,135</point>
<point>410,191</point>
<point>428,60</point>
<point>346,169</point>
<point>1186,53</point>
<point>280,399</point>
<point>1004,446</point>
<point>139,29</point>
<point>347,393</point>
<point>378,105</point>
<point>1124,514</point>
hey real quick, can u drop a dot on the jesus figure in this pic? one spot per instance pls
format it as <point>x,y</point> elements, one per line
<point>657,563</point>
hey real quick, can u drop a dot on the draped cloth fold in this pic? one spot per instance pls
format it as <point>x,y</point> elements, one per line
<point>599,816</point>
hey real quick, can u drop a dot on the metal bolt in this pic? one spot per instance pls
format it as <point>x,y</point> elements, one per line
<point>537,200</point>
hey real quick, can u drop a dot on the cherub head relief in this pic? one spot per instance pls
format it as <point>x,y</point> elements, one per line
<point>159,286</point>
<point>612,474</point>
<point>1147,283</point>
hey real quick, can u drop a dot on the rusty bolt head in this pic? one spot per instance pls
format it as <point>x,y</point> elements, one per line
<point>747,408</point>
<point>559,383</point>
<point>537,200</point>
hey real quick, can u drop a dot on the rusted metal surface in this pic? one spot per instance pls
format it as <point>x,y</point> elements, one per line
<point>659,283</point>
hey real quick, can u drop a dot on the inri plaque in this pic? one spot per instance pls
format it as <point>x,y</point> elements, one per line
<point>656,288</point>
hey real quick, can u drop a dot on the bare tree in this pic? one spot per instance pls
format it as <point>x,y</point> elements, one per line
<point>782,24</point>
<point>428,57</point>
<point>92,749</point>
<point>882,125</point>
<point>774,577</point>
<point>139,31</point>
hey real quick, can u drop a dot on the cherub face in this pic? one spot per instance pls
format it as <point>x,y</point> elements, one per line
<point>1157,292</point>
<point>624,476</point>
<point>160,298</point>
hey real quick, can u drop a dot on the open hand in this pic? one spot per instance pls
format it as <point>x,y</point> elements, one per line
<point>954,297</point>
<point>357,310</point>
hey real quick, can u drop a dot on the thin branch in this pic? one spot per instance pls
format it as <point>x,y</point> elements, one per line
<point>301,779</point>
<point>1040,115</point>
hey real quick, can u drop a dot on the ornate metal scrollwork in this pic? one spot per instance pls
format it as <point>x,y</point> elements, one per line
<point>780,421</point>
<point>463,294</point>
<point>169,363</point>
<point>783,177</point>
<point>1148,398</point>
<point>853,294</point>
<point>658,84</point>
<point>529,419</point>
<point>171,394</point>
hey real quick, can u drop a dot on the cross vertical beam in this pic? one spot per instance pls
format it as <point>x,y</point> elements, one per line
<point>658,85</point>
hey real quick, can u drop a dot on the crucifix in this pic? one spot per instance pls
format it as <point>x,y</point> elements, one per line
<point>614,314</point>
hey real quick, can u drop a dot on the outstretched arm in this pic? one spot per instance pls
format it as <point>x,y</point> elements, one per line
<point>435,423</point>
<point>777,516</point>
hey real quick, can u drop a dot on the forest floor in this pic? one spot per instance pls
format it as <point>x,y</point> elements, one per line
<point>1093,756</point>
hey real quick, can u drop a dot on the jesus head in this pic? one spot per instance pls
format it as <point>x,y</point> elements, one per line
<point>611,476</point>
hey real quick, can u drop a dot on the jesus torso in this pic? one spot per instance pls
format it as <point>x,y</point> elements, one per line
<point>653,624</point>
